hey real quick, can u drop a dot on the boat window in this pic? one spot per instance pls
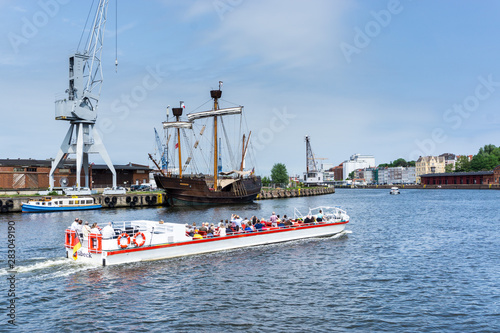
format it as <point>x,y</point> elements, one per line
<point>49,204</point>
<point>43,203</point>
<point>76,202</point>
<point>71,202</point>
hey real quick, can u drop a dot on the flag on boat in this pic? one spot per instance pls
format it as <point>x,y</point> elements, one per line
<point>253,171</point>
<point>75,249</point>
<point>177,145</point>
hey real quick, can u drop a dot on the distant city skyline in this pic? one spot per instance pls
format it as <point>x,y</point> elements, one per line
<point>392,79</point>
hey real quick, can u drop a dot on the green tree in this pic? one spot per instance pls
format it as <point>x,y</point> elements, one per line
<point>266,181</point>
<point>462,164</point>
<point>400,162</point>
<point>448,168</point>
<point>279,175</point>
<point>351,175</point>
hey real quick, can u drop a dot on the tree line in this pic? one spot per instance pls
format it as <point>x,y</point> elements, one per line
<point>487,158</point>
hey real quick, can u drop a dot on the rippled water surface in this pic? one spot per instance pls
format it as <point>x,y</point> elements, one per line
<point>426,260</point>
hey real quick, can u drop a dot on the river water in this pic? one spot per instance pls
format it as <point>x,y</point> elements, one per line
<point>426,260</point>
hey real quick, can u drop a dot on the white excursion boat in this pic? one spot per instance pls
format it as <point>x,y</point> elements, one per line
<point>394,190</point>
<point>49,204</point>
<point>141,240</point>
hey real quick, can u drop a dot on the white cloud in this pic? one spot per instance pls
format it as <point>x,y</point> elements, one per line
<point>291,34</point>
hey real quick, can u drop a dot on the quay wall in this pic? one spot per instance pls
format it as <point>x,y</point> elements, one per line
<point>147,199</point>
<point>433,187</point>
<point>286,193</point>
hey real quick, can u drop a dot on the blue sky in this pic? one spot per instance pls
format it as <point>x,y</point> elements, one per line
<point>387,78</point>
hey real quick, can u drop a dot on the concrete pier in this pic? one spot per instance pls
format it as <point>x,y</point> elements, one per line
<point>13,204</point>
<point>287,193</point>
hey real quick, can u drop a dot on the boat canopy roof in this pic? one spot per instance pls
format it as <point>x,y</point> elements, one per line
<point>212,113</point>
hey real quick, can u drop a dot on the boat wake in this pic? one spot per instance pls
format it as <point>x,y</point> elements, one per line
<point>45,267</point>
<point>341,234</point>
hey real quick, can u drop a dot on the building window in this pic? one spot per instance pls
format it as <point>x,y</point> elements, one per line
<point>31,169</point>
<point>18,169</point>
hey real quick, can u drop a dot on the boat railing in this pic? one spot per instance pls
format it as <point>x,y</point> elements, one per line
<point>295,225</point>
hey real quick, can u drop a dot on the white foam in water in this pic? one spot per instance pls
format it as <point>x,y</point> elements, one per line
<point>38,266</point>
<point>341,234</point>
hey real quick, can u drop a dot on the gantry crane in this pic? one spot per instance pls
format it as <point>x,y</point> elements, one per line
<point>80,106</point>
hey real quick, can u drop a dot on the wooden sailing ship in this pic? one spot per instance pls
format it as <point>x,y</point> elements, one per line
<point>232,187</point>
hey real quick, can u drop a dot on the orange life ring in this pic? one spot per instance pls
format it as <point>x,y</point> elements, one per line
<point>120,237</point>
<point>135,239</point>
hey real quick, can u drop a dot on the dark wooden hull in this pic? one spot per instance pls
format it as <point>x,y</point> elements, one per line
<point>194,190</point>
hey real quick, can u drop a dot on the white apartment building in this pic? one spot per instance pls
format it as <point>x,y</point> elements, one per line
<point>357,161</point>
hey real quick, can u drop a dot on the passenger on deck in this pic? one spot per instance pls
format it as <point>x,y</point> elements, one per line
<point>74,225</point>
<point>245,221</point>
<point>86,230</point>
<point>307,219</point>
<point>258,226</point>
<point>203,228</point>
<point>190,230</point>
<point>108,231</point>
<point>95,229</point>
<point>278,220</point>
<point>161,222</point>
<point>79,227</point>
<point>319,217</point>
<point>273,219</point>
<point>264,224</point>
<point>281,224</point>
<point>197,235</point>
<point>254,220</point>
<point>288,223</point>
<point>211,230</point>
<point>221,231</point>
<point>249,227</point>
<point>236,219</point>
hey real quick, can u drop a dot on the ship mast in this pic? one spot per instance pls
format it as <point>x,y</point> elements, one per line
<point>216,94</point>
<point>178,113</point>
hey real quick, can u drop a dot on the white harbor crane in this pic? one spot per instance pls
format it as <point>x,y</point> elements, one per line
<point>80,106</point>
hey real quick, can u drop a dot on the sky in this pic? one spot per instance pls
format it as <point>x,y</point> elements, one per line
<point>393,79</point>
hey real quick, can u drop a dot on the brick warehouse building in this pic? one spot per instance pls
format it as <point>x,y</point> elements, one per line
<point>34,174</point>
<point>462,178</point>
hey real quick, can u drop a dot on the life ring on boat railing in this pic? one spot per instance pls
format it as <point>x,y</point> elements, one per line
<point>135,199</point>
<point>114,200</point>
<point>120,243</point>
<point>135,239</point>
<point>106,200</point>
<point>128,200</point>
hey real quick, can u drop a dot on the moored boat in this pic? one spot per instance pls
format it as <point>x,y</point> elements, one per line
<point>141,240</point>
<point>236,185</point>
<point>49,204</point>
